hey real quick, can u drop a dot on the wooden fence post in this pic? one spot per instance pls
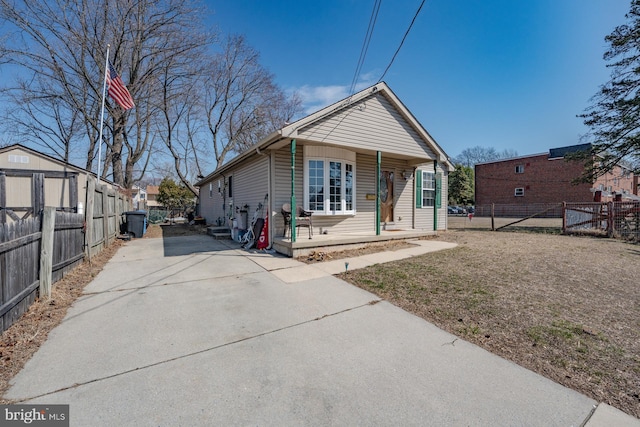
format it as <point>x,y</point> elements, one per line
<point>46,250</point>
<point>3,197</point>
<point>493,215</point>
<point>105,215</point>
<point>88,216</point>
<point>610,219</point>
<point>37,193</point>
<point>564,217</point>
<point>73,193</point>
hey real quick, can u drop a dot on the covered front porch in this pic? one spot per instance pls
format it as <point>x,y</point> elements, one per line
<point>342,241</point>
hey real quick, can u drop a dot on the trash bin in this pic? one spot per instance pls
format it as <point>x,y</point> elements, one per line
<point>136,222</point>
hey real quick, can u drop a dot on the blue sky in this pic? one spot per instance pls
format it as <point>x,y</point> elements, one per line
<point>508,74</point>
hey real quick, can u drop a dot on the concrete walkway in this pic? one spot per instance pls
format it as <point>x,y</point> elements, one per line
<point>190,331</point>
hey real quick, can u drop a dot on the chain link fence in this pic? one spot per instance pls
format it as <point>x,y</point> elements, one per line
<point>619,219</point>
<point>542,217</point>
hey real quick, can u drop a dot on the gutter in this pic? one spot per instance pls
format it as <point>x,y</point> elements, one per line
<point>265,143</point>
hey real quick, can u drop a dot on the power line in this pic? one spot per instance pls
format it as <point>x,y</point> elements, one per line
<point>365,44</point>
<point>402,42</point>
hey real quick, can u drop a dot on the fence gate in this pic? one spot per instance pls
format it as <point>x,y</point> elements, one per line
<point>615,219</point>
<point>585,217</point>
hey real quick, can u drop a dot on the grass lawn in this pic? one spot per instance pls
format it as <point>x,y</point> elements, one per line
<point>565,307</point>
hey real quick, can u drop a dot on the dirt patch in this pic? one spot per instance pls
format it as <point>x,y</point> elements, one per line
<point>174,230</point>
<point>563,306</point>
<point>320,256</point>
<point>23,338</point>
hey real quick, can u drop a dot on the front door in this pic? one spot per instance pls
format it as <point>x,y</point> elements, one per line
<point>386,196</point>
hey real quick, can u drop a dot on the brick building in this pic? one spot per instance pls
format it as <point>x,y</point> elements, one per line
<point>547,178</point>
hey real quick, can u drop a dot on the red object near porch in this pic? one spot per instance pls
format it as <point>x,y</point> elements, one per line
<point>263,241</point>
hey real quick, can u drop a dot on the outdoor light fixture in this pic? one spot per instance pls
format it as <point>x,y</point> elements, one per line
<point>407,174</point>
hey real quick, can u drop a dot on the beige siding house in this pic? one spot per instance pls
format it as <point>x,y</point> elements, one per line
<point>364,166</point>
<point>65,185</point>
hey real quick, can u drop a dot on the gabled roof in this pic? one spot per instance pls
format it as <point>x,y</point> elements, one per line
<point>290,131</point>
<point>49,158</point>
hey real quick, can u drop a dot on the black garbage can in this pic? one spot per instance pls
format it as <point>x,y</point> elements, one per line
<point>136,222</point>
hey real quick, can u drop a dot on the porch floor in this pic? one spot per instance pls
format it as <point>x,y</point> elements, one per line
<point>338,242</point>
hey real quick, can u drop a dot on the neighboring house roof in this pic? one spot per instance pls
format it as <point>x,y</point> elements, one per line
<point>291,131</point>
<point>48,158</point>
<point>555,153</point>
<point>153,190</point>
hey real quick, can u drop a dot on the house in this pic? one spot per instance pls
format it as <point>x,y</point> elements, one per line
<point>64,186</point>
<point>139,197</point>
<point>547,178</point>
<point>152,192</point>
<point>334,163</point>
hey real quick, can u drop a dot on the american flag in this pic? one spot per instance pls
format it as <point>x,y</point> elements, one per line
<point>117,90</point>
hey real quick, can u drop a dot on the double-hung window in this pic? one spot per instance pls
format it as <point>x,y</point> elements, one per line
<point>329,181</point>
<point>428,188</point>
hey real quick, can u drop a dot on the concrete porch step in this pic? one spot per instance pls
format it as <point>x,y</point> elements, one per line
<point>219,233</point>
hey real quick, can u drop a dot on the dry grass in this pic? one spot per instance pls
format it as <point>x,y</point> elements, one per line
<point>565,307</point>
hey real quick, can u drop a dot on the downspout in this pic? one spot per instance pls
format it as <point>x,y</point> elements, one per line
<point>293,191</point>
<point>435,199</point>
<point>224,200</point>
<point>268,207</point>
<point>379,160</point>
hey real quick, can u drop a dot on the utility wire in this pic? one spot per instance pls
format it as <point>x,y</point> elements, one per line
<point>365,44</point>
<point>402,42</point>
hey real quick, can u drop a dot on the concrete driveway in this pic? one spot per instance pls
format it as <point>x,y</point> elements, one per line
<point>190,331</point>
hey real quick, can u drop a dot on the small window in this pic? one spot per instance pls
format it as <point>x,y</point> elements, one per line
<point>519,168</point>
<point>230,185</point>
<point>519,192</point>
<point>18,159</point>
<point>211,189</point>
<point>428,189</point>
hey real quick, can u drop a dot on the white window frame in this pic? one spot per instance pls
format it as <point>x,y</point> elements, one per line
<point>519,192</point>
<point>328,155</point>
<point>428,178</point>
<point>519,168</point>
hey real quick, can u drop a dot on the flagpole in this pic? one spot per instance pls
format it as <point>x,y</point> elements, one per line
<point>104,91</point>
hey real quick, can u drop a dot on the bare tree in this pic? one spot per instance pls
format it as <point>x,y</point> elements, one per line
<point>44,120</point>
<point>470,156</point>
<point>242,101</point>
<point>59,47</point>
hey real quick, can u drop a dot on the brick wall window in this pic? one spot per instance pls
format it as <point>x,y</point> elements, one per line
<point>519,168</point>
<point>519,192</point>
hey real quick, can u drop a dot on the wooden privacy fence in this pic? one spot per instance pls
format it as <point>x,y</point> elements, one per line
<point>33,254</point>
<point>36,252</point>
<point>615,219</point>
<point>104,216</point>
